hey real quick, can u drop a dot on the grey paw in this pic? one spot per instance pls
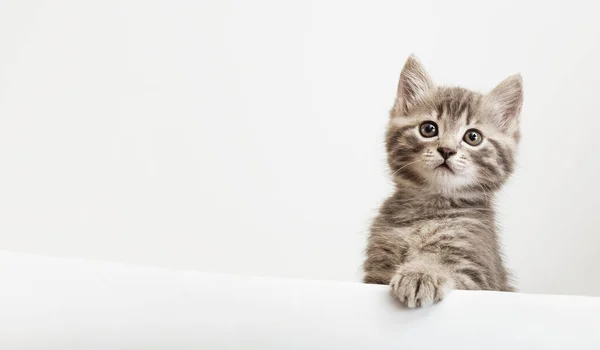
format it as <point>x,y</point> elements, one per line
<point>420,288</point>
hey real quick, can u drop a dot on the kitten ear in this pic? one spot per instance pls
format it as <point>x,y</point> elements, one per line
<point>414,84</point>
<point>506,100</point>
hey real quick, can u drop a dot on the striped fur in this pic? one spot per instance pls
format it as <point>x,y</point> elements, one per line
<point>437,232</point>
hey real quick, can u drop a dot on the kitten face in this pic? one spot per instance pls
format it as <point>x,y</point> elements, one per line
<point>449,139</point>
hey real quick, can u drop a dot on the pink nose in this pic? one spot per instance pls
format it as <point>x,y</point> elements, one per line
<point>446,152</point>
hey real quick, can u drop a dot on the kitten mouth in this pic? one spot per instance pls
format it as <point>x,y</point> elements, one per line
<point>445,167</point>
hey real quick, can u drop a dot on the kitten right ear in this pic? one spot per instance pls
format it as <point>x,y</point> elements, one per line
<point>414,84</point>
<point>506,100</point>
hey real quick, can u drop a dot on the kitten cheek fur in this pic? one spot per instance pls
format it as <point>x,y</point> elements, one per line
<point>438,231</point>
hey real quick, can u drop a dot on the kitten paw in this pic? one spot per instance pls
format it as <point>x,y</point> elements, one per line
<point>417,288</point>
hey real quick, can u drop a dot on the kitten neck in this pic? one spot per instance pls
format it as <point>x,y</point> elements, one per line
<point>466,198</point>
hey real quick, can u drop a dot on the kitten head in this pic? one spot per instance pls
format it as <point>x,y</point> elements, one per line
<point>449,139</point>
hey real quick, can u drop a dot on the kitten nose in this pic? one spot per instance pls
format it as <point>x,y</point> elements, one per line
<point>446,152</point>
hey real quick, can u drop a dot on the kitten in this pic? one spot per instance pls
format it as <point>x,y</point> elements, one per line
<point>449,150</point>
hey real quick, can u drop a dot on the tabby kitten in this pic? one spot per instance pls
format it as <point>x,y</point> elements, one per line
<point>449,150</point>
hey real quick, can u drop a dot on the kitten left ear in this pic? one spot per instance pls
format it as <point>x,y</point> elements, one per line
<point>414,84</point>
<point>506,100</point>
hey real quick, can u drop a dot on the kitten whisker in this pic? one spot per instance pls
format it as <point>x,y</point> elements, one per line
<point>404,166</point>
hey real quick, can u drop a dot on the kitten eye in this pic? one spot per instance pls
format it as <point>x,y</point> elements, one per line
<point>473,137</point>
<point>428,129</point>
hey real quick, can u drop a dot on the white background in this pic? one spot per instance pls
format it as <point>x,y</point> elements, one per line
<point>247,137</point>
